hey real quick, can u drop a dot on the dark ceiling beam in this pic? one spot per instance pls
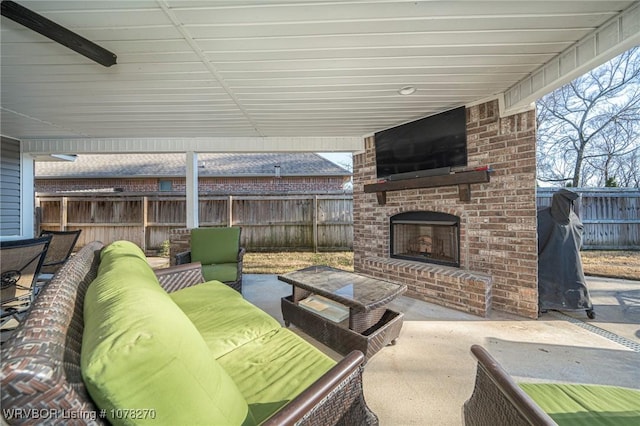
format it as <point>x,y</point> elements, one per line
<point>57,33</point>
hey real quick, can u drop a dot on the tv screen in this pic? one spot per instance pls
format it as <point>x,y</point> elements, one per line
<point>432,142</point>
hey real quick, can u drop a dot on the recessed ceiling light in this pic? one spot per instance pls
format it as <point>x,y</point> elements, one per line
<point>407,90</point>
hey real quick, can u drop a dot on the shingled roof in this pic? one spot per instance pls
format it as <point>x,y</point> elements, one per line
<point>173,165</point>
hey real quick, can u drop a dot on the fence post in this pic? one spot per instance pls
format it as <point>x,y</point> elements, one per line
<point>38,217</point>
<point>145,222</point>
<point>63,213</point>
<point>315,223</point>
<point>230,210</point>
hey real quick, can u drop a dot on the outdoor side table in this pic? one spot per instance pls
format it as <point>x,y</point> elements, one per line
<point>367,325</point>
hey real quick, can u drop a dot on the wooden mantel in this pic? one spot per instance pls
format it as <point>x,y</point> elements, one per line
<point>462,179</point>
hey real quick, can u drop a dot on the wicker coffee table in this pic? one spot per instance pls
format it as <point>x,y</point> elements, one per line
<point>368,326</point>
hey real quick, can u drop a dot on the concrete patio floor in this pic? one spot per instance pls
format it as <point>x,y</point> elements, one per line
<point>426,377</point>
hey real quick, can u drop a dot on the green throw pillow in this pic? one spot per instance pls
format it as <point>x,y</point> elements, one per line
<point>215,245</point>
<point>142,360</point>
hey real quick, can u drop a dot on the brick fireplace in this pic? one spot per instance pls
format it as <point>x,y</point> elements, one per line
<point>494,265</point>
<point>425,236</point>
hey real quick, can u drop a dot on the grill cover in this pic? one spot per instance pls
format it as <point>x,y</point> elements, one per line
<point>561,282</point>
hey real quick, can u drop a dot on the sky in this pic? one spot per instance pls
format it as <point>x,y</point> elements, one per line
<point>342,159</point>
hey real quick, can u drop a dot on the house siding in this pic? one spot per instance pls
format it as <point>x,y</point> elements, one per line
<point>10,187</point>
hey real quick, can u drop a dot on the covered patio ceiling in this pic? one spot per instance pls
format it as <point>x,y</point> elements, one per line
<point>251,75</point>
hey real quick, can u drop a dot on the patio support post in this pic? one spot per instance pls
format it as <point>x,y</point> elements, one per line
<point>27,195</point>
<point>192,190</point>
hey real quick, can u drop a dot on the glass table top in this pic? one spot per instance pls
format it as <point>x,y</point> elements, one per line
<point>349,288</point>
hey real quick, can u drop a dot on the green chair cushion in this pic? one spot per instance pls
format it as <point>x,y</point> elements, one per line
<point>577,404</point>
<point>224,319</point>
<point>140,351</point>
<point>215,245</point>
<point>221,272</point>
<point>273,369</point>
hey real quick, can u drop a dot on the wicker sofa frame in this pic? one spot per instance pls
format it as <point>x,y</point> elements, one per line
<point>497,399</point>
<point>41,360</point>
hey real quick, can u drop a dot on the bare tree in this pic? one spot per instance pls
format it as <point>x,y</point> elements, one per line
<point>589,129</point>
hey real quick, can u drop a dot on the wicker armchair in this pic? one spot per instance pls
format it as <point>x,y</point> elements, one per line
<point>219,252</point>
<point>497,399</point>
<point>20,261</point>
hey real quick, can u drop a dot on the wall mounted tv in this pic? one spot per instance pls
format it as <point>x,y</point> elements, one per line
<point>429,146</point>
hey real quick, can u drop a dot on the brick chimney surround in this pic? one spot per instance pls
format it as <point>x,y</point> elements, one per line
<point>498,229</point>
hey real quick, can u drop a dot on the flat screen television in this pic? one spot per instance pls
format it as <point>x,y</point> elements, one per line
<point>431,145</point>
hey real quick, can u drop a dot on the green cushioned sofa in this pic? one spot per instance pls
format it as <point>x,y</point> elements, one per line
<point>110,340</point>
<point>498,400</point>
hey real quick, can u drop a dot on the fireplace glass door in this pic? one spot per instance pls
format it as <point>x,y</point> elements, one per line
<point>426,237</point>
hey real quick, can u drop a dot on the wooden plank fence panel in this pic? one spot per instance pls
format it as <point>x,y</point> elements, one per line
<point>157,235</point>
<point>611,216</point>
<point>335,222</point>
<point>108,233</point>
<point>287,222</point>
<point>212,211</point>
<point>167,211</point>
<point>273,222</point>
<point>50,212</point>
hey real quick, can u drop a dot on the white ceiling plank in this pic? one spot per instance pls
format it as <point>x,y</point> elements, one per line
<point>278,68</point>
<point>469,61</point>
<point>395,40</point>
<point>277,82</point>
<point>389,52</point>
<point>79,19</point>
<point>279,13</point>
<point>398,25</point>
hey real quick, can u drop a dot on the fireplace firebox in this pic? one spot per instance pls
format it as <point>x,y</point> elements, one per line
<point>426,236</point>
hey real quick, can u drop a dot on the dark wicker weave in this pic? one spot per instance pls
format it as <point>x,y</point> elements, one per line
<point>41,361</point>
<point>370,327</point>
<point>338,336</point>
<point>185,257</point>
<point>181,276</point>
<point>497,399</point>
<point>359,321</point>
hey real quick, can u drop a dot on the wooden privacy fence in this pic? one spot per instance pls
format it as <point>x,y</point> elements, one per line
<point>318,222</point>
<point>611,216</point>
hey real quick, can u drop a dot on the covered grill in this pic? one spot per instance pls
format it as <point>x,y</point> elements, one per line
<point>561,282</point>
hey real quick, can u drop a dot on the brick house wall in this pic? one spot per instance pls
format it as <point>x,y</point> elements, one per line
<point>248,185</point>
<point>498,226</point>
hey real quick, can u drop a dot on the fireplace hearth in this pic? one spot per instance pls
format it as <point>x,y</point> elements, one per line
<point>426,236</point>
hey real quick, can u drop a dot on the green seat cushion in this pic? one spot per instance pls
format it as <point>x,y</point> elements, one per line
<point>215,245</point>
<point>224,319</point>
<point>140,351</point>
<point>221,272</point>
<point>273,369</point>
<point>577,404</point>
